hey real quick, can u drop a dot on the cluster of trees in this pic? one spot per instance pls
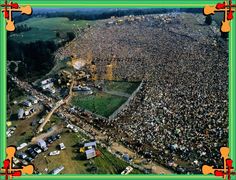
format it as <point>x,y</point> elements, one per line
<point>18,17</point>
<point>115,12</point>
<point>35,58</point>
<point>22,28</point>
<point>102,14</point>
<point>70,35</point>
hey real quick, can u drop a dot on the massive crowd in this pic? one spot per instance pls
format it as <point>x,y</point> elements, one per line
<point>180,115</point>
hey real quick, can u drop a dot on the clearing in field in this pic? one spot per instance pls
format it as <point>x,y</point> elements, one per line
<point>114,94</point>
<point>45,29</point>
<point>101,103</point>
<point>121,86</point>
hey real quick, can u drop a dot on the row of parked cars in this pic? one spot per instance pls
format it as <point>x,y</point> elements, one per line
<point>33,151</point>
<point>52,138</point>
<point>29,155</point>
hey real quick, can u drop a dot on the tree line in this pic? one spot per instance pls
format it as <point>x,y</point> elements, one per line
<point>102,14</point>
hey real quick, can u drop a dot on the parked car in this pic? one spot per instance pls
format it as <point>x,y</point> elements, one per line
<point>54,153</point>
<point>21,155</point>
<point>54,138</point>
<point>22,146</point>
<point>45,149</point>
<point>29,159</point>
<point>41,121</point>
<point>24,162</point>
<point>57,170</point>
<point>15,160</point>
<point>62,146</point>
<point>31,152</point>
<point>37,150</point>
<point>49,140</point>
<point>58,136</point>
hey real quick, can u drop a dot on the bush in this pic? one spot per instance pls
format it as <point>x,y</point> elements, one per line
<point>208,20</point>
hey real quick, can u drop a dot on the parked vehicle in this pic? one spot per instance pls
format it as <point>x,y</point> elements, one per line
<point>54,153</point>
<point>54,138</point>
<point>49,140</point>
<point>57,170</point>
<point>37,150</point>
<point>24,162</point>
<point>62,146</point>
<point>21,146</point>
<point>29,159</point>
<point>21,155</point>
<point>31,152</point>
<point>58,136</point>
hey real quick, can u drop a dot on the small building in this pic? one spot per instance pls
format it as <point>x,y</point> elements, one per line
<point>91,153</point>
<point>42,144</point>
<point>46,81</point>
<point>21,113</point>
<point>90,145</point>
<point>27,103</point>
<point>47,86</point>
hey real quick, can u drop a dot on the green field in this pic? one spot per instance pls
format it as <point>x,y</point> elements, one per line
<point>122,86</point>
<point>46,28</point>
<point>100,103</point>
<point>24,131</point>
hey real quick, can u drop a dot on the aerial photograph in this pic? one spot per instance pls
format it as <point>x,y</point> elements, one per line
<point>117,90</point>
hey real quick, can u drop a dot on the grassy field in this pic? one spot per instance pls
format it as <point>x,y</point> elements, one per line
<point>100,103</point>
<point>69,158</point>
<point>46,28</point>
<point>54,120</point>
<point>121,86</point>
<point>24,131</point>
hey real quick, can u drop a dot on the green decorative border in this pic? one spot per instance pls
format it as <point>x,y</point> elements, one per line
<point>116,4</point>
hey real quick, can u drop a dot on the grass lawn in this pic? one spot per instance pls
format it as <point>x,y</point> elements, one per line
<point>53,121</point>
<point>14,108</point>
<point>24,131</point>
<point>105,164</point>
<point>100,103</point>
<point>45,28</point>
<point>121,86</point>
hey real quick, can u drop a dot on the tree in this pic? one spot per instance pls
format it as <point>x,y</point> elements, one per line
<point>58,35</point>
<point>208,20</point>
<point>225,35</point>
<point>70,36</point>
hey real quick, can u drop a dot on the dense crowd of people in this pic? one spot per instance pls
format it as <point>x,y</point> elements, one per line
<point>179,118</point>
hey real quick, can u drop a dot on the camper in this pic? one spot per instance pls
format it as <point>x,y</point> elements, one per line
<point>91,153</point>
<point>57,170</point>
<point>42,144</point>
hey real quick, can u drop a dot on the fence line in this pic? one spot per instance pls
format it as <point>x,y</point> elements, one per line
<point>126,103</point>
